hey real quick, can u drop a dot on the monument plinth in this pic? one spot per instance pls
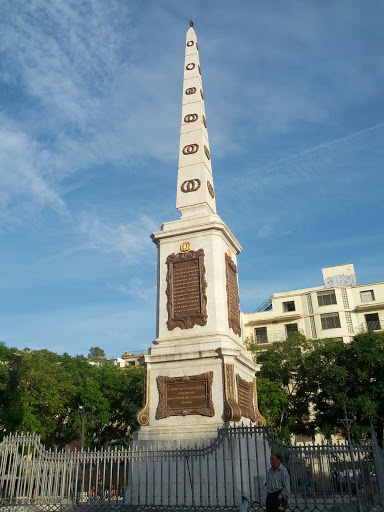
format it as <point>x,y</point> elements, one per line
<point>198,374</point>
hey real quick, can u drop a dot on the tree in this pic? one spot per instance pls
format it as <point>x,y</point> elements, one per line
<point>303,385</point>
<point>54,395</point>
<point>96,353</point>
<point>113,417</point>
<point>351,373</point>
<point>9,390</point>
<point>45,392</point>
<point>281,397</point>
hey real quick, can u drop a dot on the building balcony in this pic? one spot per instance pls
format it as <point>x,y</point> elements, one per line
<point>269,317</point>
<point>370,305</point>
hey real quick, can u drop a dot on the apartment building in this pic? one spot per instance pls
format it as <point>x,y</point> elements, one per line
<point>339,309</point>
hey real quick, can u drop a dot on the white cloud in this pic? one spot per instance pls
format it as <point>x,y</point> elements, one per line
<point>130,239</point>
<point>136,288</point>
<point>25,178</point>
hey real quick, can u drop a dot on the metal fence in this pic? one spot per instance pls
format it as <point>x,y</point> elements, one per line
<point>324,477</point>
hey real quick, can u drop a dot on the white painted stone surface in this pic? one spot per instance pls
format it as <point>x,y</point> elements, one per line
<point>200,349</point>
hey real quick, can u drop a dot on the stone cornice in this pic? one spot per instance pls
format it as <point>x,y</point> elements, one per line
<point>196,225</point>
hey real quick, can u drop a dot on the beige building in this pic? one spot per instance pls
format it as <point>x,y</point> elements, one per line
<point>339,309</point>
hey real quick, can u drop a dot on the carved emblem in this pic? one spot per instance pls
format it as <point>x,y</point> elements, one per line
<point>231,407</point>
<point>204,121</point>
<point>260,420</point>
<point>233,301</point>
<point>201,94</point>
<point>190,90</point>
<point>143,415</point>
<point>191,118</point>
<point>210,190</point>
<point>229,253</point>
<point>181,396</point>
<point>186,290</point>
<point>206,151</point>
<point>190,43</point>
<point>199,69</point>
<point>185,246</point>
<point>190,66</point>
<point>190,149</point>
<point>190,185</point>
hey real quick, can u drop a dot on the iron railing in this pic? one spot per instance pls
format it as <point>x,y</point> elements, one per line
<point>211,476</point>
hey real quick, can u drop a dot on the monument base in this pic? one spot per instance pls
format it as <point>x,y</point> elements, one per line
<point>194,388</point>
<point>216,474</point>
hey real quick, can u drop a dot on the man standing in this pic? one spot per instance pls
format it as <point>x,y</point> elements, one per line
<point>277,486</point>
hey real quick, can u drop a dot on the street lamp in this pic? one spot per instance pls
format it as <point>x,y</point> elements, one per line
<point>81,408</point>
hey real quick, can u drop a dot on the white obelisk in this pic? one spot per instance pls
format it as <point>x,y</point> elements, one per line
<point>198,374</point>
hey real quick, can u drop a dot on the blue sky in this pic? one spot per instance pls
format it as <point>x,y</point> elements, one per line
<point>90,112</point>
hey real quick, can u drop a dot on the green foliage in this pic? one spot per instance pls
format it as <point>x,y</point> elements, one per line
<point>281,366</point>
<point>53,395</point>
<point>96,353</point>
<point>303,378</point>
<point>351,373</point>
<point>114,418</point>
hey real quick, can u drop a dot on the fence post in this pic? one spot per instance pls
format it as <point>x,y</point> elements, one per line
<point>378,458</point>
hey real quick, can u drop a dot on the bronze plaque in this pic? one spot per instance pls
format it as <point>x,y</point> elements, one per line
<point>186,395</point>
<point>180,396</point>
<point>245,398</point>
<point>186,288</point>
<point>185,291</point>
<point>233,301</point>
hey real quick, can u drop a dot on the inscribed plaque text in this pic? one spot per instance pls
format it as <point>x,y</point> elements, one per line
<point>186,290</point>
<point>181,396</point>
<point>245,398</point>
<point>233,301</point>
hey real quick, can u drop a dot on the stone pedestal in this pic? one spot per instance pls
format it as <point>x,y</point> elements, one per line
<point>199,377</point>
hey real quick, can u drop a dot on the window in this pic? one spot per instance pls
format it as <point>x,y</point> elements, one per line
<point>326,297</point>
<point>338,339</point>
<point>367,296</point>
<point>289,306</point>
<point>373,322</point>
<point>290,328</point>
<point>330,321</point>
<point>261,335</point>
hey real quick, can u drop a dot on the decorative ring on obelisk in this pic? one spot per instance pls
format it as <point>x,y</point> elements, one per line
<point>190,90</point>
<point>199,69</point>
<point>190,185</point>
<point>201,94</point>
<point>197,47</point>
<point>190,66</point>
<point>210,190</point>
<point>206,151</point>
<point>190,149</point>
<point>190,43</point>
<point>204,121</point>
<point>191,118</point>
